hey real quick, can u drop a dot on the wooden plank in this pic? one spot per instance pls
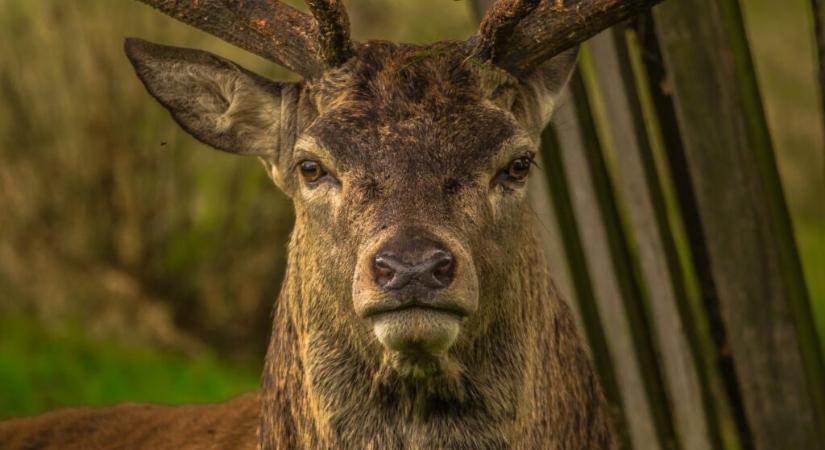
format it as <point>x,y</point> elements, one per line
<point>551,240</point>
<point>640,190</point>
<point>626,264</point>
<point>756,272</point>
<point>701,314</point>
<point>585,301</point>
<point>577,138</point>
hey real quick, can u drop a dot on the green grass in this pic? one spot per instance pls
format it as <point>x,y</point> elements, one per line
<point>41,370</point>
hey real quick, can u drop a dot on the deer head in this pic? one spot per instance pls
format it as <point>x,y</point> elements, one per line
<point>407,165</point>
<point>413,261</point>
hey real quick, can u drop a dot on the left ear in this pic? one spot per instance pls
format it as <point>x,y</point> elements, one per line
<point>538,92</point>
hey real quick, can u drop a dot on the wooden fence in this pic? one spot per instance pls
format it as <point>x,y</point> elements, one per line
<point>665,226</point>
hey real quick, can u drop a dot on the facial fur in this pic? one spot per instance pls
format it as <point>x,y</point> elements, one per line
<point>409,140</point>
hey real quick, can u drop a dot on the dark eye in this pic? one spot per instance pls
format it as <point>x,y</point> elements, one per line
<point>519,168</point>
<point>311,171</point>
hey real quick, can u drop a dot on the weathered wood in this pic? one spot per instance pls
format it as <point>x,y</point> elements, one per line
<point>270,29</point>
<point>578,144</point>
<point>557,25</point>
<point>582,298</point>
<point>550,237</point>
<point>625,264</point>
<point>756,272</point>
<point>641,191</point>
<point>702,319</point>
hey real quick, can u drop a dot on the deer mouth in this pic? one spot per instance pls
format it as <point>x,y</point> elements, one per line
<point>448,308</point>
<point>416,326</point>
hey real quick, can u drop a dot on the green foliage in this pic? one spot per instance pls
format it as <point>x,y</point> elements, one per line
<point>43,369</point>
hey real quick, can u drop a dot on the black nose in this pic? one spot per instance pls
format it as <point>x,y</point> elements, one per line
<point>413,258</point>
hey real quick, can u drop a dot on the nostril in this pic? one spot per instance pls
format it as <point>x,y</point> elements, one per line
<point>418,262</point>
<point>384,273</point>
<point>442,269</point>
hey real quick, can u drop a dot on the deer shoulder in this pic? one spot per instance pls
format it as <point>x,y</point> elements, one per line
<point>229,425</point>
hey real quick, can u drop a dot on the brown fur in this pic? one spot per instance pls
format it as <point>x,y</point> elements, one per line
<point>192,427</point>
<point>413,138</point>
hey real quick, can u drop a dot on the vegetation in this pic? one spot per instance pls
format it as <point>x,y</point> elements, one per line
<point>43,369</point>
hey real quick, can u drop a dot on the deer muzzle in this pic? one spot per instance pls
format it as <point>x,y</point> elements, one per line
<point>415,289</point>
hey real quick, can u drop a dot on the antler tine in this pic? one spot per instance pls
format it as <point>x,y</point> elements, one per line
<point>333,30</point>
<point>518,35</point>
<point>498,25</point>
<point>268,28</point>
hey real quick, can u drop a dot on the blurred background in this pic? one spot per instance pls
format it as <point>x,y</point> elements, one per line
<point>137,264</point>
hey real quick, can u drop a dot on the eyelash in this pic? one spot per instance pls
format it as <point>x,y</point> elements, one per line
<point>305,169</point>
<point>505,176</point>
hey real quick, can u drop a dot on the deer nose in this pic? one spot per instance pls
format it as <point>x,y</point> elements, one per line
<point>417,261</point>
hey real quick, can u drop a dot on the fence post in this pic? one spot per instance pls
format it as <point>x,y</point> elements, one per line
<point>581,159</point>
<point>640,189</point>
<point>762,298</point>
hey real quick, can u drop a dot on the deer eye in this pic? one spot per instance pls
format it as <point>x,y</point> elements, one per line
<point>519,168</point>
<point>515,173</point>
<point>311,171</point>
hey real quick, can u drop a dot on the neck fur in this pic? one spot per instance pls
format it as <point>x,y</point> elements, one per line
<point>523,383</point>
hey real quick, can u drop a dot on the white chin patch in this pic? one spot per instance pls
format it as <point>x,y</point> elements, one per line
<point>417,330</point>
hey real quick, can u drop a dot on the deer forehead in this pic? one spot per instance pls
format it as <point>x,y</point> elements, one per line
<point>411,107</point>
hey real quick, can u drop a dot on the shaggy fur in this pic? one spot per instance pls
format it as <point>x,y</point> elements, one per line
<point>411,138</point>
<point>230,425</point>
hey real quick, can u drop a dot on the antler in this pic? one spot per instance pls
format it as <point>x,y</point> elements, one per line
<point>272,30</point>
<point>518,35</point>
<point>498,25</point>
<point>333,27</point>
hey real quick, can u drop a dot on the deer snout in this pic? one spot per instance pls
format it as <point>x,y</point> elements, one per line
<point>431,268</point>
<point>415,289</point>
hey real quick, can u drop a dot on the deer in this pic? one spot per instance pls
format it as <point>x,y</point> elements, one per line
<point>417,311</point>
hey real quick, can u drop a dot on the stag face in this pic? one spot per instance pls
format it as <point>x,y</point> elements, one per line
<point>407,166</point>
<point>418,170</point>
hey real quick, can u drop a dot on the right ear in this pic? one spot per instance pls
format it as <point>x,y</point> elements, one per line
<point>218,102</point>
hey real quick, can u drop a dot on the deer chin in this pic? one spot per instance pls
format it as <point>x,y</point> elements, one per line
<point>417,331</point>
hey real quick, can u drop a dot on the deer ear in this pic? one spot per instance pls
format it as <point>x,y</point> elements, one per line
<point>539,90</point>
<point>215,100</point>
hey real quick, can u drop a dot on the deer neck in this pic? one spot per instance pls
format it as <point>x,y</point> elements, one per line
<point>322,390</point>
